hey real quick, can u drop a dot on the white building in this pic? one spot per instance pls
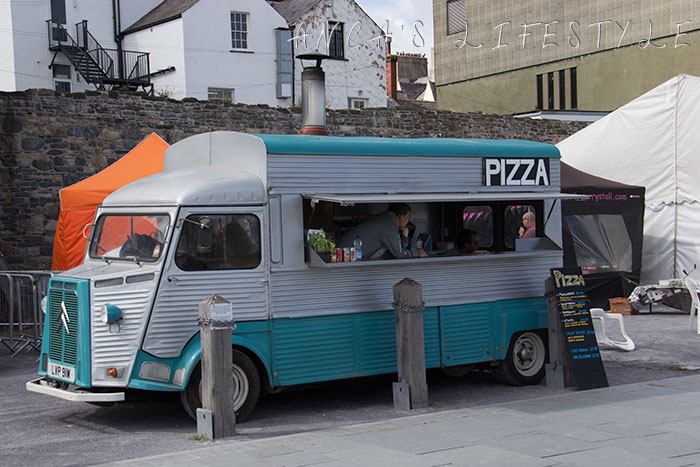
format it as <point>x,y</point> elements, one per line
<point>356,71</point>
<point>232,50</point>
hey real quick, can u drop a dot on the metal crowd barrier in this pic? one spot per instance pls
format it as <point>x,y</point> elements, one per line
<point>21,318</point>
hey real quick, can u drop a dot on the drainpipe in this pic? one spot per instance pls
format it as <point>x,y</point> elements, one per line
<point>116,16</point>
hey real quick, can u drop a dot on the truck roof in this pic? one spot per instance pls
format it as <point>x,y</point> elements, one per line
<point>378,146</point>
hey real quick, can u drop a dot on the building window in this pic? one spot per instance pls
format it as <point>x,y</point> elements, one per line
<point>336,47</point>
<point>61,71</point>
<point>562,89</point>
<point>572,86</point>
<point>62,86</point>
<point>224,95</point>
<point>456,16</point>
<point>239,30</point>
<point>561,85</point>
<point>357,103</point>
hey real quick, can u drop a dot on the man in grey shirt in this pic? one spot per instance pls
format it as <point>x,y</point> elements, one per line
<point>384,235</point>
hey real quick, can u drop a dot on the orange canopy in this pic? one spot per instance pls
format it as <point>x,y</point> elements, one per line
<point>79,201</point>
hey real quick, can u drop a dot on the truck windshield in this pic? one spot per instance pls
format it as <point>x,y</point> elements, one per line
<point>134,238</point>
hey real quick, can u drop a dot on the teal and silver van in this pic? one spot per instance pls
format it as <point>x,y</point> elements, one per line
<point>229,215</point>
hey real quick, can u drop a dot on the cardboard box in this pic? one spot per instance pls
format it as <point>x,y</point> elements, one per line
<point>622,306</point>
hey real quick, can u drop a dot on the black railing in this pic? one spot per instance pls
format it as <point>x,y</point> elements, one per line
<point>99,54</point>
<point>95,63</point>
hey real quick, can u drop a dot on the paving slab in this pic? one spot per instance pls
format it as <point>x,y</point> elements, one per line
<point>656,425</point>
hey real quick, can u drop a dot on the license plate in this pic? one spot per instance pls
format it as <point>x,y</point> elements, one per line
<point>62,372</point>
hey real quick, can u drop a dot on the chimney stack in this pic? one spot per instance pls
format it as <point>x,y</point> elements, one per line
<point>391,71</point>
<point>313,96</point>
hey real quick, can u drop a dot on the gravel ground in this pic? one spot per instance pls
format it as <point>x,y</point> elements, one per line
<point>40,430</point>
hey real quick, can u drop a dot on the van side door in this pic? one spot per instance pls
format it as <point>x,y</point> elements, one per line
<point>215,251</point>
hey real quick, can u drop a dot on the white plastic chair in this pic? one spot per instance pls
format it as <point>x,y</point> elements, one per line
<point>598,317</point>
<point>692,287</point>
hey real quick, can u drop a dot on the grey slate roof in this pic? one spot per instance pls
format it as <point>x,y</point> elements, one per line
<point>166,11</point>
<point>293,10</point>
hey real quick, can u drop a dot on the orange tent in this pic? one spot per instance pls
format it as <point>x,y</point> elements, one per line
<point>79,201</point>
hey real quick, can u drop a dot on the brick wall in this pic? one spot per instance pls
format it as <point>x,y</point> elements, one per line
<point>49,141</point>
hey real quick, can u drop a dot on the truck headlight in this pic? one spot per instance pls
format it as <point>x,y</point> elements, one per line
<point>110,314</point>
<point>43,304</point>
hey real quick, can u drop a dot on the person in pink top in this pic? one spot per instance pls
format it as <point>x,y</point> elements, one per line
<point>528,228</point>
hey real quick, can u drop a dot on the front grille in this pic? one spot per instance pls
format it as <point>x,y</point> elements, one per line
<point>63,343</point>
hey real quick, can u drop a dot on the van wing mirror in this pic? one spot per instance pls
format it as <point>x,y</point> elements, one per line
<point>205,234</point>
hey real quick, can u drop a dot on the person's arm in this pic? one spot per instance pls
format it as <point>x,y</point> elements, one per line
<point>393,242</point>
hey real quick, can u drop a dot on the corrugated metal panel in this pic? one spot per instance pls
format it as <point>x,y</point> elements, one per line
<point>366,174</point>
<point>335,347</point>
<point>431,335</point>
<point>368,287</point>
<point>174,319</point>
<point>555,172</point>
<point>384,174</point>
<point>118,348</point>
<point>467,333</point>
<point>313,350</point>
<point>376,338</point>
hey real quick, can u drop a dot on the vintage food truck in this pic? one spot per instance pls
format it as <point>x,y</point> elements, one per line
<point>228,215</point>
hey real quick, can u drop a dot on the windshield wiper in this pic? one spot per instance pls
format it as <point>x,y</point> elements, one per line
<point>130,257</point>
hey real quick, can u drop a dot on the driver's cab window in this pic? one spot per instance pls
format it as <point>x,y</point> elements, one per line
<point>219,241</point>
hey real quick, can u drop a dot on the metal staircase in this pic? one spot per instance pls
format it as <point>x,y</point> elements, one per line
<point>97,65</point>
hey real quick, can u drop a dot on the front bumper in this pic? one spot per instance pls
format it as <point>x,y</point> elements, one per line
<point>49,387</point>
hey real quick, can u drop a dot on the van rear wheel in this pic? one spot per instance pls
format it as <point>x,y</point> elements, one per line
<point>246,388</point>
<point>524,363</point>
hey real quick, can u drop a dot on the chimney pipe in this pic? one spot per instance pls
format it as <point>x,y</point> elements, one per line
<point>313,96</point>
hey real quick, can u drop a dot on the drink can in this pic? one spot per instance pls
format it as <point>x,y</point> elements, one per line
<point>346,254</point>
<point>338,255</point>
<point>334,257</point>
<point>353,254</point>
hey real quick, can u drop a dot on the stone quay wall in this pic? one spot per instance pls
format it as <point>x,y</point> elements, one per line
<point>51,140</point>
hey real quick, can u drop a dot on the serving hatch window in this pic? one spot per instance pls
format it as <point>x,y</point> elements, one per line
<point>520,221</point>
<point>480,220</point>
<point>219,241</point>
<point>134,237</point>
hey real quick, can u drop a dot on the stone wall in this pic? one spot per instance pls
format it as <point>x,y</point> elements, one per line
<point>50,140</point>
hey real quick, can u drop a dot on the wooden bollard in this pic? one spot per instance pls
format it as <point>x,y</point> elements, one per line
<point>216,323</point>
<point>410,346</point>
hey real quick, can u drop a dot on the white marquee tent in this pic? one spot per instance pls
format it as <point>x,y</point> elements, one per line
<point>653,141</point>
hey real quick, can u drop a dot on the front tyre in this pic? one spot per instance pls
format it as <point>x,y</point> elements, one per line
<point>524,363</point>
<point>246,388</point>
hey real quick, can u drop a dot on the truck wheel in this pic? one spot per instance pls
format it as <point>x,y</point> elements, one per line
<point>246,388</point>
<point>524,363</point>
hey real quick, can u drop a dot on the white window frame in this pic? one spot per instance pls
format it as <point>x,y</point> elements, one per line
<point>357,100</point>
<point>223,92</point>
<point>245,34</point>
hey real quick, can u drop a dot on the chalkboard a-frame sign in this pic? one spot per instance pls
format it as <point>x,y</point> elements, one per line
<point>579,343</point>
